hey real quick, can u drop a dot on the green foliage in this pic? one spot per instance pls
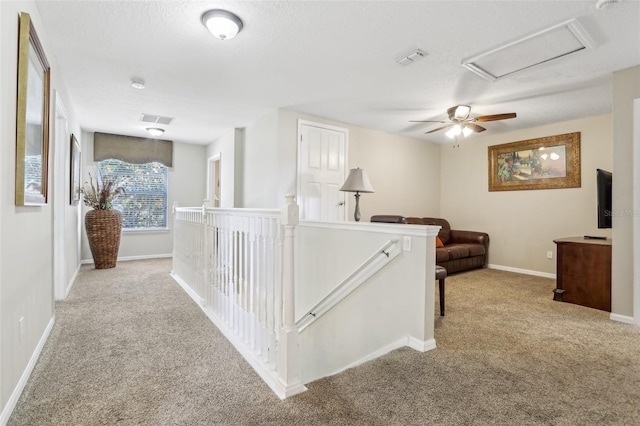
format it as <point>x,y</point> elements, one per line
<point>99,193</point>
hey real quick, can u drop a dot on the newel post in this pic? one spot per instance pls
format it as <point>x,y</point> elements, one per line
<point>289,218</point>
<point>176,236</point>
<point>206,254</point>
<point>288,346</point>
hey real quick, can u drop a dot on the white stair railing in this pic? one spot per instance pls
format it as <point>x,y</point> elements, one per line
<point>238,265</point>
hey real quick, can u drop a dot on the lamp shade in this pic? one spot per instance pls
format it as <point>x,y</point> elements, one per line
<point>357,181</point>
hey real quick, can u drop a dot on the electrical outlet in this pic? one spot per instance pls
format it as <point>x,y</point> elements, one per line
<point>406,245</point>
<point>21,329</point>
<point>550,254</point>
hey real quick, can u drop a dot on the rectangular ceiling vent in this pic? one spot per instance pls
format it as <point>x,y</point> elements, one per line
<point>534,49</point>
<point>155,119</point>
<point>411,57</point>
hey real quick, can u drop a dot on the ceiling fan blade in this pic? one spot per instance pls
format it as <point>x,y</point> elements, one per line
<point>426,121</point>
<point>451,112</point>
<point>475,127</point>
<point>439,128</point>
<point>495,117</point>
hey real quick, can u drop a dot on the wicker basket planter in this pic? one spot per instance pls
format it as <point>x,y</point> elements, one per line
<point>103,232</point>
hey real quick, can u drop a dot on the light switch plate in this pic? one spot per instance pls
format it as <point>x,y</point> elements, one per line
<point>406,245</point>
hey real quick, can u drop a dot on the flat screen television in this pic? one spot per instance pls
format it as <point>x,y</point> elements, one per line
<point>604,188</point>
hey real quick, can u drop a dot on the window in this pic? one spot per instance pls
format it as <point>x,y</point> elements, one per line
<point>144,202</point>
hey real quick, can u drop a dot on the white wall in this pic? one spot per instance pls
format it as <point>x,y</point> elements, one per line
<point>405,172</point>
<point>187,187</point>
<point>26,233</point>
<point>261,164</point>
<point>626,88</point>
<point>71,216</point>
<point>523,224</point>
<point>392,308</point>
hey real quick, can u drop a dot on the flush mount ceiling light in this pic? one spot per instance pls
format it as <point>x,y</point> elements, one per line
<point>155,131</point>
<point>222,23</point>
<point>137,83</point>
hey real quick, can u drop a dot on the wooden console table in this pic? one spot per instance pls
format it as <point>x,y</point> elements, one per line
<point>583,273</point>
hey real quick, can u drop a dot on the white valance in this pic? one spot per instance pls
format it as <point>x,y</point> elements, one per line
<point>132,149</point>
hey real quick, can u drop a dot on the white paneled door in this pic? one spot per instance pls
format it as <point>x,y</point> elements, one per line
<point>322,152</point>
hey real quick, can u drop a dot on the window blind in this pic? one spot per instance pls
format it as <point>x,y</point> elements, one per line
<point>144,202</point>
<point>132,149</point>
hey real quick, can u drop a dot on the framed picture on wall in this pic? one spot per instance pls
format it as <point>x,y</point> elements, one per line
<point>32,118</point>
<point>543,163</point>
<point>75,170</point>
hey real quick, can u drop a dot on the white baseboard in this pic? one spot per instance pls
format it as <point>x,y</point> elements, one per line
<point>269,377</point>
<point>17,391</point>
<point>522,271</point>
<point>127,258</point>
<point>412,342</point>
<point>67,290</point>
<point>622,318</point>
<point>192,294</point>
<point>421,345</point>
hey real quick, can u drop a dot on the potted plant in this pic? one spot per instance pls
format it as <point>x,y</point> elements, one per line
<point>103,224</point>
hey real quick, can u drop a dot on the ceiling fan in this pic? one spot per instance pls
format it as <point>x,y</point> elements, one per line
<point>460,122</point>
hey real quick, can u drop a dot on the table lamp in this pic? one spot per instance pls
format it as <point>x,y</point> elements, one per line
<point>357,182</point>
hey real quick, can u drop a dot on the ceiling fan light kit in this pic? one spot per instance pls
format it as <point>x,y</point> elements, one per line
<point>460,121</point>
<point>461,112</point>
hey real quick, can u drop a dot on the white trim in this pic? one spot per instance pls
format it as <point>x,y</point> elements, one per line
<point>192,294</point>
<point>59,200</point>
<point>146,230</point>
<point>379,227</point>
<point>344,130</point>
<point>17,391</point>
<point>268,376</point>
<point>522,271</point>
<point>636,208</point>
<point>210,160</point>
<point>71,282</point>
<point>128,258</point>
<point>421,345</point>
<point>408,341</point>
<point>302,122</point>
<point>622,318</point>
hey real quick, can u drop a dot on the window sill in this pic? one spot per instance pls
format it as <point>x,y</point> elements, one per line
<point>145,230</point>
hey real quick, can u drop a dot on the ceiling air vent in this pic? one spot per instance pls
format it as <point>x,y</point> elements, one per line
<point>155,119</point>
<point>534,49</point>
<point>411,57</point>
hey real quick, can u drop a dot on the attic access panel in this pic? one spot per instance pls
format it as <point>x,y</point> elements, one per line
<point>534,49</point>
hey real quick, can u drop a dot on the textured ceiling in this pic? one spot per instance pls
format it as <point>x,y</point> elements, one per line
<point>333,59</point>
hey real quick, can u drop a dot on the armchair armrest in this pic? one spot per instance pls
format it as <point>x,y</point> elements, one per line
<point>469,237</point>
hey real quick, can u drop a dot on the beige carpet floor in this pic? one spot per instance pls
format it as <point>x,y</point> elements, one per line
<point>130,348</point>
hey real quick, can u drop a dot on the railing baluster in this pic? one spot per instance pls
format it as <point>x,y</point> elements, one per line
<point>233,260</point>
